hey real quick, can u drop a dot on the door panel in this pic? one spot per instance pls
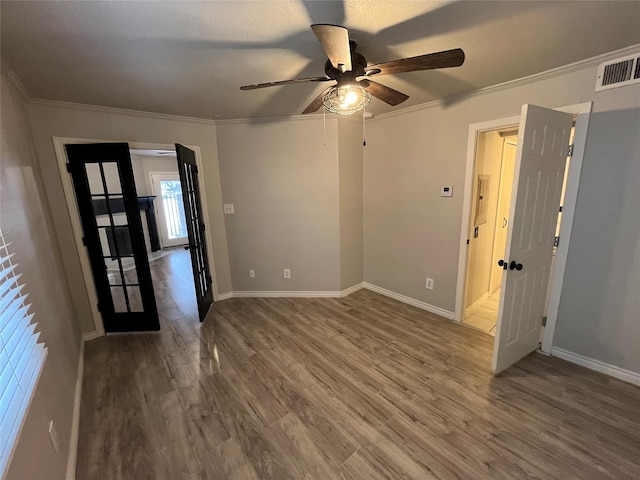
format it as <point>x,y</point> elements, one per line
<point>108,206</point>
<point>543,144</point>
<point>195,228</point>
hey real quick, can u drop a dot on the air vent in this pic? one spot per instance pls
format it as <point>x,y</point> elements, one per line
<point>618,73</point>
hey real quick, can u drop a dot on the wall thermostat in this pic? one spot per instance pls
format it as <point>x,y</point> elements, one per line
<point>446,191</point>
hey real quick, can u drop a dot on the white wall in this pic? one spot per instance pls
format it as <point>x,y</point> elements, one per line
<point>410,232</point>
<point>60,120</point>
<point>283,181</point>
<point>25,220</point>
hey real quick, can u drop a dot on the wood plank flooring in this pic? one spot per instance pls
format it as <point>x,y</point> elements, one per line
<point>357,388</point>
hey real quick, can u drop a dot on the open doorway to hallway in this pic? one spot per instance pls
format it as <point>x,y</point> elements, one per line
<point>157,178</point>
<point>491,201</point>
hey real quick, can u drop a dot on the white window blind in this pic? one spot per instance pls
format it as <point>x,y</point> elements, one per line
<point>21,356</point>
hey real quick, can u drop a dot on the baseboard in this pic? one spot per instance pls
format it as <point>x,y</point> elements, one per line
<point>88,336</point>
<point>292,294</point>
<point>75,423</point>
<point>224,296</point>
<point>410,301</point>
<point>348,291</point>
<point>476,304</point>
<point>597,365</point>
<point>287,294</point>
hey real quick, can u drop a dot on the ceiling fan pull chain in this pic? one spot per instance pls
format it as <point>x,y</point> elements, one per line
<point>364,127</point>
<point>324,127</point>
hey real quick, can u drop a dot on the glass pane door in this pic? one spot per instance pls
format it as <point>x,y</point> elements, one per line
<point>108,207</point>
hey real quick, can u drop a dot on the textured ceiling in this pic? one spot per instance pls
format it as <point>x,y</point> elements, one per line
<point>190,58</point>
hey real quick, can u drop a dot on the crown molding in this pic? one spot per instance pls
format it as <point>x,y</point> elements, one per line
<point>120,111</point>
<point>15,80</point>
<point>536,77</point>
<point>289,118</point>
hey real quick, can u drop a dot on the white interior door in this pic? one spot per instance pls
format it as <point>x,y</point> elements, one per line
<point>170,208</point>
<point>543,145</point>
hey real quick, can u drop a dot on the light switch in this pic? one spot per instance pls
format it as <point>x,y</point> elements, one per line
<point>446,191</point>
<point>228,209</point>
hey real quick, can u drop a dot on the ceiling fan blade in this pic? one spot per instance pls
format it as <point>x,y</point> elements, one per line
<point>384,93</point>
<point>285,82</point>
<point>335,41</point>
<point>317,102</point>
<point>448,58</point>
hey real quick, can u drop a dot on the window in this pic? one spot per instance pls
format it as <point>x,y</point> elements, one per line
<point>21,356</point>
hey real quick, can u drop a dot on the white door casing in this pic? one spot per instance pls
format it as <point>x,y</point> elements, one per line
<point>543,142</point>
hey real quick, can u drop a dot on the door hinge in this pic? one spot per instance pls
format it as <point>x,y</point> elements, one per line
<point>467,241</point>
<point>209,279</point>
<point>570,154</point>
<point>68,167</point>
<point>99,307</point>
<point>556,241</point>
<point>84,241</point>
<point>544,321</point>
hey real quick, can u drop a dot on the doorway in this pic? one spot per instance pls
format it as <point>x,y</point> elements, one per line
<point>171,267</point>
<point>172,224</point>
<point>543,146</point>
<point>491,198</point>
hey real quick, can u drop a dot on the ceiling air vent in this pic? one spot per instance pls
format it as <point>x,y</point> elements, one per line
<point>619,72</point>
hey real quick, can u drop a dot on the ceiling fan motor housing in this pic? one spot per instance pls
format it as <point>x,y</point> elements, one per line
<point>358,66</point>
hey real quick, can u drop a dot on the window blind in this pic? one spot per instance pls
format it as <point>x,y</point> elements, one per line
<point>21,356</point>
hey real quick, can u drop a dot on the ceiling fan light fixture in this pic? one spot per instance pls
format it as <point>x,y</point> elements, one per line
<point>346,99</point>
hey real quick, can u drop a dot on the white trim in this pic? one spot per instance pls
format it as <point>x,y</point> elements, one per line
<point>121,111</point>
<point>75,422</point>
<point>88,336</point>
<point>293,293</point>
<point>288,294</point>
<point>410,301</point>
<point>583,114</point>
<point>536,77</point>
<point>76,225</point>
<point>583,111</point>
<point>353,289</point>
<point>597,365</point>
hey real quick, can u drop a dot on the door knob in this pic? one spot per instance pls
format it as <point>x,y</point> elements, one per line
<point>514,266</point>
<point>502,263</point>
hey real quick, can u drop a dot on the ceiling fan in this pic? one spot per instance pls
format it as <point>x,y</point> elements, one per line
<point>353,86</point>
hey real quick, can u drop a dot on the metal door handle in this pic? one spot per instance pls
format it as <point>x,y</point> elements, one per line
<point>515,266</point>
<point>502,263</point>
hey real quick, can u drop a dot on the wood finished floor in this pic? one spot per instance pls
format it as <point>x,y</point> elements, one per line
<point>357,388</point>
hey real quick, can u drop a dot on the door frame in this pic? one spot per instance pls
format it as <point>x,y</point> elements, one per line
<point>162,217</point>
<point>76,226</point>
<point>582,112</point>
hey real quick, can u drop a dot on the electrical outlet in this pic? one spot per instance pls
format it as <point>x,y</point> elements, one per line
<point>252,274</point>
<point>229,209</point>
<point>429,284</point>
<point>53,435</point>
<point>287,273</point>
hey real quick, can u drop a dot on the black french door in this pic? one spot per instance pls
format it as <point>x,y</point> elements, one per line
<point>195,228</point>
<point>108,205</point>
